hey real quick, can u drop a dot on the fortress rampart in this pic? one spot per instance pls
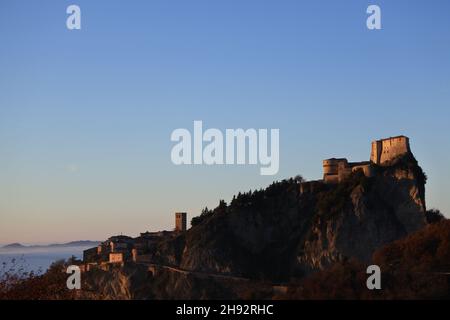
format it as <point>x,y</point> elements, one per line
<point>383,151</point>
<point>388,149</point>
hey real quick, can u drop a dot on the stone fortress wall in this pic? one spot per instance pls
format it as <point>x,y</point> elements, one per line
<point>388,149</point>
<point>383,151</point>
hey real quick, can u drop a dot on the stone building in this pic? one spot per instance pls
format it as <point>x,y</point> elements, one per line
<point>337,170</point>
<point>116,257</point>
<point>383,151</point>
<point>124,249</point>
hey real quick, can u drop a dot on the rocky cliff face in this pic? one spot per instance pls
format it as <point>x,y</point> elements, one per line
<point>137,282</point>
<point>377,211</point>
<point>279,233</point>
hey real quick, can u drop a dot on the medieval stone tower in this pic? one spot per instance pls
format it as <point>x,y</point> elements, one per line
<point>180,221</point>
<point>385,150</point>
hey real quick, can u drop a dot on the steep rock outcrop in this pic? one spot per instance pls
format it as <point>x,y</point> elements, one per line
<point>279,233</point>
<point>377,211</point>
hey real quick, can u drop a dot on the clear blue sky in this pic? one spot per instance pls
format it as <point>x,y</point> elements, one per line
<point>86,116</point>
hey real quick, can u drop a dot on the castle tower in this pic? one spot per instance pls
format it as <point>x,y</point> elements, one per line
<point>180,221</point>
<point>332,168</point>
<point>385,150</point>
<point>375,154</point>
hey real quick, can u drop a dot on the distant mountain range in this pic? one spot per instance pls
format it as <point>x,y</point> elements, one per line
<point>79,243</point>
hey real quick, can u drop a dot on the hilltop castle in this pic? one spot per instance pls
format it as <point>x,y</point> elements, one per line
<point>383,151</point>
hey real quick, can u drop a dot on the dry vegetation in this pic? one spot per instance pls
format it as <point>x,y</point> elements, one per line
<point>18,284</point>
<point>416,267</point>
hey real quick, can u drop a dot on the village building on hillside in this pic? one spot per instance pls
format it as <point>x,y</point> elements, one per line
<point>120,249</point>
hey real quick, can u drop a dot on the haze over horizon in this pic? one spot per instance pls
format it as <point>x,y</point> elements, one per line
<point>86,115</point>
